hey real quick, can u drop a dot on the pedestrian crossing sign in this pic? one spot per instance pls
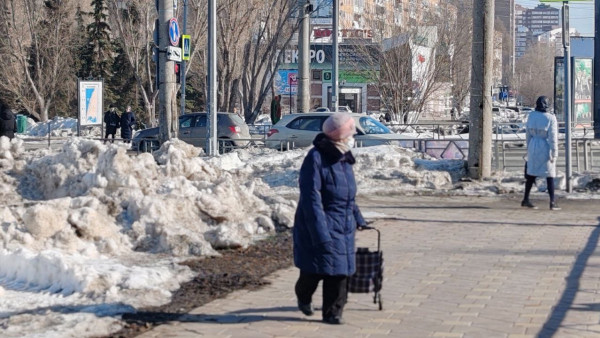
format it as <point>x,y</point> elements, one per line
<point>187,46</point>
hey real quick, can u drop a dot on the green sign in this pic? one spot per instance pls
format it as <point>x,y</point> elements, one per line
<point>186,45</point>
<point>351,76</point>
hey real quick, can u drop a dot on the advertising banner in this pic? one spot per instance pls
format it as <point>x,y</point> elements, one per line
<point>559,88</point>
<point>90,102</point>
<point>286,82</point>
<point>583,89</point>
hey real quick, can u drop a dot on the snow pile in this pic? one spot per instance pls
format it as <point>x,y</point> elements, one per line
<point>381,169</point>
<point>174,202</point>
<point>11,152</point>
<point>60,127</point>
<point>92,223</point>
<point>92,231</point>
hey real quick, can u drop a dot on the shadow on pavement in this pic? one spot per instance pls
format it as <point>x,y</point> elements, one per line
<point>241,316</point>
<point>461,207</point>
<point>391,218</point>
<point>565,302</point>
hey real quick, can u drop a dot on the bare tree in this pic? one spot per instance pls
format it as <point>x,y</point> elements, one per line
<point>534,75</point>
<point>234,18</point>
<point>272,31</point>
<point>38,60</point>
<point>417,63</point>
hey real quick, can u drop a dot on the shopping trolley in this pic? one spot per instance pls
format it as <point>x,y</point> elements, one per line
<point>369,271</point>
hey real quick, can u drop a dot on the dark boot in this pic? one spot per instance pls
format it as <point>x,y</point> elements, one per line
<point>335,320</point>
<point>528,204</point>
<point>307,309</point>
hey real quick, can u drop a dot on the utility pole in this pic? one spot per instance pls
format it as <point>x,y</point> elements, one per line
<point>166,75</point>
<point>480,126</point>
<point>567,61</point>
<point>335,56</point>
<point>211,134</point>
<point>304,10</point>
<point>597,70</point>
<point>183,62</point>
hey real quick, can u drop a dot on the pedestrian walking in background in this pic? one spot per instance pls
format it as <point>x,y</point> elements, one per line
<point>8,122</point>
<point>542,150</point>
<point>112,122</point>
<point>326,219</point>
<point>276,109</point>
<point>127,122</point>
<point>237,111</point>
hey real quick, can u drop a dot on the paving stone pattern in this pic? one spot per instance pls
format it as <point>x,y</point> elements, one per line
<point>454,267</point>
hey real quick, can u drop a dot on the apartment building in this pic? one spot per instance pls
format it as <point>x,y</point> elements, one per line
<point>522,32</point>
<point>530,23</point>
<point>541,19</point>
<point>504,15</point>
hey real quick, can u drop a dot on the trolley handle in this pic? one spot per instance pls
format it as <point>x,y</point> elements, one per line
<point>368,227</point>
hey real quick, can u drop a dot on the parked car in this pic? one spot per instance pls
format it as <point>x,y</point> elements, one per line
<point>322,109</point>
<point>344,109</point>
<point>232,132</point>
<point>299,130</point>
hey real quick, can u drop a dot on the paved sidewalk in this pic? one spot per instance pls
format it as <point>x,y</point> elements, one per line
<point>454,267</point>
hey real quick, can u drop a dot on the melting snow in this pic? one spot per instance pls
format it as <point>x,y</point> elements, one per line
<point>91,232</point>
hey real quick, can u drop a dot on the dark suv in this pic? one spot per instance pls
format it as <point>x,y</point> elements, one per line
<point>232,132</point>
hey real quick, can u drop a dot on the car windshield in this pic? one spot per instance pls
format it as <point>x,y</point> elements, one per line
<point>185,121</point>
<point>372,126</point>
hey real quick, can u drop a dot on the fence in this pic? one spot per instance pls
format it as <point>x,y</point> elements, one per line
<point>439,140</point>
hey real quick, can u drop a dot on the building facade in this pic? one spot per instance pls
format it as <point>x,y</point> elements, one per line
<point>504,14</point>
<point>364,24</point>
<point>531,23</point>
<point>541,19</point>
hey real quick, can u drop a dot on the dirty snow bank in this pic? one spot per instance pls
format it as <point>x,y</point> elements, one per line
<point>380,169</point>
<point>395,170</point>
<point>60,127</point>
<point>94,225</point>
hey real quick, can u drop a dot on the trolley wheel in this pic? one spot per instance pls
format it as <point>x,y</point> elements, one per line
<point>380,302</point>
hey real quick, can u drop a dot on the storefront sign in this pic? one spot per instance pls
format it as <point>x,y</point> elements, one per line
<point>322,54</point>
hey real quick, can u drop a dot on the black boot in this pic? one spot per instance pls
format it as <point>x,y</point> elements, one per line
<point>528,204</point>
<point>307,309</point>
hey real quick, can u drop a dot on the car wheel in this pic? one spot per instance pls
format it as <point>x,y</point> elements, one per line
<point>225,146</point>
<point>146,146</point>
<point>143,146</point>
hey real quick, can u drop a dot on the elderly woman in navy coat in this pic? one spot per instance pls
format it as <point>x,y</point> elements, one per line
<point>326,219</point>
<point>542,150</point>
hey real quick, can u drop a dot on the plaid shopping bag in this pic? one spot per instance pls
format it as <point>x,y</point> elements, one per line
<point>369,272</point>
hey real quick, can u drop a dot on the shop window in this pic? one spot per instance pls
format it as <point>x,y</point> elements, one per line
<point>316,75</point>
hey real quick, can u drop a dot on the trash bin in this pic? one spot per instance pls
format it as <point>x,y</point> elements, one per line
<point>21,123</point>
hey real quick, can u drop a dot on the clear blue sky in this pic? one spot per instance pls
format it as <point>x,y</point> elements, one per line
<point>582,14</point>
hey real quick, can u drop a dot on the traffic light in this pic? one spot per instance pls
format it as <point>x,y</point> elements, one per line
<point>177,72</point>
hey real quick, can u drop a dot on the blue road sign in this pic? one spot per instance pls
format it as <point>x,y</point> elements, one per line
<point>174,33</point>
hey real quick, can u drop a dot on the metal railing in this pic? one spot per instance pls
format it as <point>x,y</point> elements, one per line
<point>440,140</point>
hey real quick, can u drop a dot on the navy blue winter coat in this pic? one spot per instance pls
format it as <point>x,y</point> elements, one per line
<point>127,122</point>
<point>327,215</point>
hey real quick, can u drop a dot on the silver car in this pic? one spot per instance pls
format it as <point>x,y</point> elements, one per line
<point>299,130</point>
<point>232,132</point>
